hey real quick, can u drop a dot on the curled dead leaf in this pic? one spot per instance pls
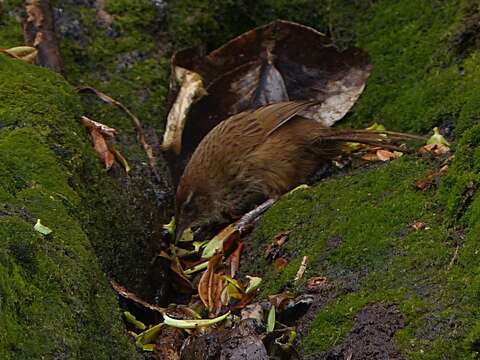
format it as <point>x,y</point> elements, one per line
<point>418,225</point>
<point>280,300</point>
<point>103,129</point>
<point>386,155</point>
<point>233,261</point>
<point>211,285</point>
<point>435,149</point>
<point>431,180</point>
<point>217,243</point>
<point>98,133</point>
<point>274,249</point>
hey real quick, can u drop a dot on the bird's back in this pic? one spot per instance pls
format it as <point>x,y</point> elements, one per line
<point>266,151</point>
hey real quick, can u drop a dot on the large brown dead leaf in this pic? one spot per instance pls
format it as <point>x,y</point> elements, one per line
<point>277,62</point>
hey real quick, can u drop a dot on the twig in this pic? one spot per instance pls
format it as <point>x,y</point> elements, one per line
<point>301,270</point>
<point>122,291</point>
<point>152,161</point>
<point>454,257</point>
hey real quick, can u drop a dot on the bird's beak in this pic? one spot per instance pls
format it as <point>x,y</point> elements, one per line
<point>179,229</point>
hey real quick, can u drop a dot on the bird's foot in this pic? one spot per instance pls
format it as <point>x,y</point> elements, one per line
<point>253,215</point>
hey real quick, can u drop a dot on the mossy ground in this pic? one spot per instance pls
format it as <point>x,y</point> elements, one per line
<point>419,81</point>
<point>426,73</point>
<point>55,302</point>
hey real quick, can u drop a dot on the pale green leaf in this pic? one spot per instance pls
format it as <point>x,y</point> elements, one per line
<point>253,283</point>
<point>192,324</point>
<point>271,319</point>
<point>42,229</point>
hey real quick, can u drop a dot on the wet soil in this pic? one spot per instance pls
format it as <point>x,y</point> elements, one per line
<point>371,337</point>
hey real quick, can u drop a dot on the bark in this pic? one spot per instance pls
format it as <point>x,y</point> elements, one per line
<point>39,31</point>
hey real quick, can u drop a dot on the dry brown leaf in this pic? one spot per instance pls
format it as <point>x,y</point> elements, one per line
<point>370,157</point>
<point>280,264</point>
<point>233,262</point>
<point>136,123</point>
<point>435,149</point>
<point>176,267</point>
<point>102,128</point>
<point>101,148</point>
<point>98,132</point>
<point>211,285</point>
<point>386,155</point>
<point>272,251</point>
<point>280,300</point>
<point>418,225</point>
<point>431,179</point>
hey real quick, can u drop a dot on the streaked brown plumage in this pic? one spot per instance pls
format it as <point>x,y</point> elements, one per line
<point>256,155</point>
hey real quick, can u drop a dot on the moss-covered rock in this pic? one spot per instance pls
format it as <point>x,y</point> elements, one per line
<point>55,301</point>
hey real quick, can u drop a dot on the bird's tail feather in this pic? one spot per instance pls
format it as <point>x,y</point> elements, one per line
<point>384,139</point>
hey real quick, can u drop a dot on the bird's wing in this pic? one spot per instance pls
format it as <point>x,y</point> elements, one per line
<point>274,116</point>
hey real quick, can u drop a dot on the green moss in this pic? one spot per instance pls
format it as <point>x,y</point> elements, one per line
<point>381,258</point>
<point>126,59</point>
<point>10,24</point>
<point>459,187</point>
<point>54,299</point>
<point>418,82</point>
<point>40,171</point>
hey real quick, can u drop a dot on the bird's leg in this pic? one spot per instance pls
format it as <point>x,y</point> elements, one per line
<point>253,215</point>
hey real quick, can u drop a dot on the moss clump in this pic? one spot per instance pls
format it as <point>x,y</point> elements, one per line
<point>10,26</point>
<point>418,81</point>
<point>126,58</point>
<point>54,299</point>
<point>380,258</point>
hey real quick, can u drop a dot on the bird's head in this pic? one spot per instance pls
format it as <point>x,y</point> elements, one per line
<point>193,206</point>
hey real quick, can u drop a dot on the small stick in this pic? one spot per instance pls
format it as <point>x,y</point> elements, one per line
<point>123,292</point>
<point>454,258</point>
<point>152,161</point>
<point>301,270</point>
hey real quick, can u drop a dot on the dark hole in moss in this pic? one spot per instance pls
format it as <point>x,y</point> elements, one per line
<point>25,253</point>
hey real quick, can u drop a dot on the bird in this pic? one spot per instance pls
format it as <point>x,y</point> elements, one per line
<point>256,155</point>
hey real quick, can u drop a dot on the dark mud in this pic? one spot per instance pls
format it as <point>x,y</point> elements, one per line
<point>371,337</point>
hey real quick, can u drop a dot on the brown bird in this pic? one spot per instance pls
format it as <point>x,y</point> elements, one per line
<point>255,155</point>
